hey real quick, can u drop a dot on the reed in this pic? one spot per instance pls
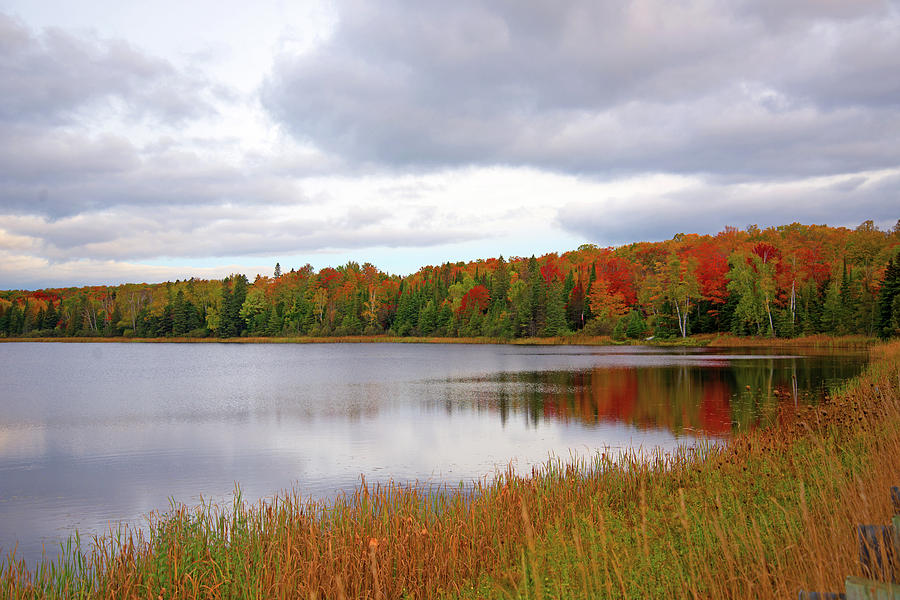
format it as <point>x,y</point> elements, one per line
<point>765,515</point>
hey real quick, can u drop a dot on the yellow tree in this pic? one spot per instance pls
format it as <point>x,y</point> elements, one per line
<point>370,306</point>
<point>606,304</point>
<point>320,300</point>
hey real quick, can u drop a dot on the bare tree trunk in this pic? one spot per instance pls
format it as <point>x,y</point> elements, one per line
<point>91,316</point>
<point>687,311</point>
<point>678,313</point>
<point>135,303</point>
<point>682,317</point>
<point>793,301</point>
<point>108,305</point>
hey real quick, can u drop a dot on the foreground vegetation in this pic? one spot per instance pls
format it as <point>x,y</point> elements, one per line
<point>768,514</point>
<point>786,281</point>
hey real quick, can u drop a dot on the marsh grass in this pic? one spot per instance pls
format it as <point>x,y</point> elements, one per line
<point>770,513</point>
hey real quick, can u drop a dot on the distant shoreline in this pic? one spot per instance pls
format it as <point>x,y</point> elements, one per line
<point>703,340</point>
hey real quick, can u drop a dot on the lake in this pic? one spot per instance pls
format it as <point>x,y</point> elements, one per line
<point>96,434</point>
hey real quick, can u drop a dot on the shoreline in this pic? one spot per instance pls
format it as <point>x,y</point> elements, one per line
<point>701,340</point>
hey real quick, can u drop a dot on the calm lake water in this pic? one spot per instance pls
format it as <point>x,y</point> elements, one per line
<point>94,434</point>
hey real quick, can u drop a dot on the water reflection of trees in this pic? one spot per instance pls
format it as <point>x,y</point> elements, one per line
<point>682,399</point>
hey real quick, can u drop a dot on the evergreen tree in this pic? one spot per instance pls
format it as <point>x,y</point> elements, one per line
<point>588,312</point>
<point>832,308</point>
<point>51,317</point>
<point>895,318</point>
<point>179,315</point>
<point>238,295</point>
<point>635,326</point>
<point>849,304</point>
<point>276,320</point>
<point>407,313</point>
<point>555,322</point>
<point>866,316</point>
<point>234,292</point>
<point>538,293</point>
<point>500,286</point>
<point>444,323</point>
<point>809,309</point>
<point>26,324</point>
<point>568,285</point>
<point>890,289</point>
<point>428,318</point>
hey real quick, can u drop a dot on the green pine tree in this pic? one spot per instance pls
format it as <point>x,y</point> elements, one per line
<point>555,321</point>
<point>500,286</point>
<point>890,290</point>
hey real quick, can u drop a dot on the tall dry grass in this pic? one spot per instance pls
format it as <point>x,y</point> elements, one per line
<point>770,513</point>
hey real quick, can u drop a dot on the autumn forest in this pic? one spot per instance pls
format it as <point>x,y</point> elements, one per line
<point>783,281</point>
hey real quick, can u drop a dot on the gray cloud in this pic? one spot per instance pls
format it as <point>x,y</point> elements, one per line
<point>60,173</point>
<point>66,105</point>
<point>210,231</point>
<point>30,155</point>
<point>708,208</point>
<point>54,77</point>
<point>600,88</point>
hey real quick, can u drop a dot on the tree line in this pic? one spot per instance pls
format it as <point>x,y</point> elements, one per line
<point>782,281</point>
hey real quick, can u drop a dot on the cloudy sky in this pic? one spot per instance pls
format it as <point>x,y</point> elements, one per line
<point>149,141</point>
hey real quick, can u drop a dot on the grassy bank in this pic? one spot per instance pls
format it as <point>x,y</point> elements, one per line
<point>768,514</point>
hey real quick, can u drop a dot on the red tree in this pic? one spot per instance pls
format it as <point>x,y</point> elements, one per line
<point>478,298</point>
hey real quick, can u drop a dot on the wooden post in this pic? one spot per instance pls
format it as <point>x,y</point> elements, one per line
<point>876,551</point>
<point>896,528</point>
